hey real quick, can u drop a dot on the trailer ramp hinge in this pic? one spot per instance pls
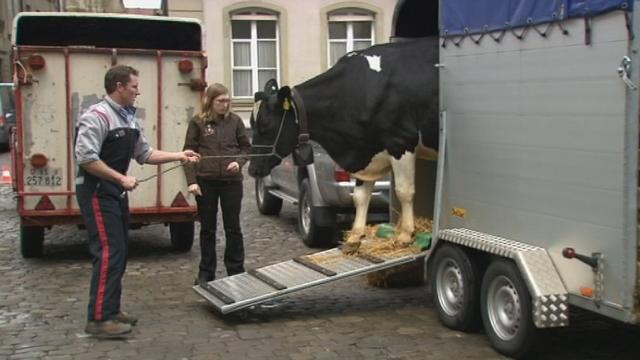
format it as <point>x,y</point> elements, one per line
<point>195,84</point>
<point>624,70</point>
<point>596,262</point>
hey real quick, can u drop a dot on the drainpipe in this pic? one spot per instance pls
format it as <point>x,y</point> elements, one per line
<point>165,7</point>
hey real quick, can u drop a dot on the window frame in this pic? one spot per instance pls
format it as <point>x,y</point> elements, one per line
<point>348,17</point>
<point>253,16</point>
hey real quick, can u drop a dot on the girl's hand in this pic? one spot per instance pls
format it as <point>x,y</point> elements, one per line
<point>194,189</point>
<point>233,167</point>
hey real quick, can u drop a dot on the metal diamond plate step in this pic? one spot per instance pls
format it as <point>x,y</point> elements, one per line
<point>274,281</point>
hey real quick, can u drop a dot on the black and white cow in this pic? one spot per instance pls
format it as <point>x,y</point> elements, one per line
<point>368,111</point>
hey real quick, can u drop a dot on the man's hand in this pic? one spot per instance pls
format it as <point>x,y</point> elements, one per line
<point>233,167</point>
<point>194,189</point>
<point>189,156</point>
<point>128,182</point>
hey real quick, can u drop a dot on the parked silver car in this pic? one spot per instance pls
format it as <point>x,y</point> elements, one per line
<point>323,193</point>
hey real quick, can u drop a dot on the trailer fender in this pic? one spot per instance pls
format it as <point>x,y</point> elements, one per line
<point>549,296</point>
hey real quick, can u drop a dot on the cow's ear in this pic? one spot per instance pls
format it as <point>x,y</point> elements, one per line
<point>259,96</point>
<point>271,86</point>
<point>284,94</point>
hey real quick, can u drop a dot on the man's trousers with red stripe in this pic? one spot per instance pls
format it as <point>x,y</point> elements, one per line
<point>105,215</point>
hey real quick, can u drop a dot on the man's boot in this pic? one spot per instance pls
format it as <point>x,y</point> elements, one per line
<point>126,318</point>
<point>107,329</point>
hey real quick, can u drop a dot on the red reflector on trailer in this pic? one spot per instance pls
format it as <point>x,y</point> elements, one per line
<point>185,66</point>
<point>179,201</point>
<point>39,160</point>
<point>36,62</point>
<point>45,204</point>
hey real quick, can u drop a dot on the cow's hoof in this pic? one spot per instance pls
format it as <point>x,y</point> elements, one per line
<point>350,247</point>
<point>404,240</point>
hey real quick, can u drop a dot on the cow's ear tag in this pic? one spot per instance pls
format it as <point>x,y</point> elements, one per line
<point>286,105</point>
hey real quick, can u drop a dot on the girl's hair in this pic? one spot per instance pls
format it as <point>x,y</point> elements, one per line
<point>213,91</point>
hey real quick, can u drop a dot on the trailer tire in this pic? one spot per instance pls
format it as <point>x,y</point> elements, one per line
<point>267,203</point>
<point>313,234</point>
<point>31,241</point>
<point>455,284</point>
<point>506,310</point>
<point>181,235</point>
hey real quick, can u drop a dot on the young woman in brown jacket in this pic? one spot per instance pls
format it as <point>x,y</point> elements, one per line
<point>217,131</point>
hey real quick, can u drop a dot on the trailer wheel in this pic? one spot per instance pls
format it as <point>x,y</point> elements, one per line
<point>455,285</point>
<point>313,235</point>
<point>506,309</point>
<point>31,241</point>
<point>181,235</point>
<point>267,203</point>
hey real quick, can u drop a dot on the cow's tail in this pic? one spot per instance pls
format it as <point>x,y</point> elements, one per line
<point>424,152</point>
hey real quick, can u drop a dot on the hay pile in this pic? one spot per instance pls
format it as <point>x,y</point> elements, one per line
<point>387,246</point>
<point>411,274</point>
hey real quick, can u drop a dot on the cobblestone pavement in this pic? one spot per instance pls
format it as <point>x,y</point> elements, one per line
<point>43,305</point>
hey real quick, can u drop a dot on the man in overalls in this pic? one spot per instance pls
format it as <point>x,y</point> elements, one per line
<point>107,137</point>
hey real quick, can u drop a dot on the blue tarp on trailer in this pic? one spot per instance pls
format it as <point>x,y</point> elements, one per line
<point>459,17</point>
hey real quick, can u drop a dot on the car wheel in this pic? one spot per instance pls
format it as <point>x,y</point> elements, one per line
<point>267,203</point>
<point>455,285</point>
<point>31,241</point>
<point>181,235</point>
<point>313,235</point>
<point>506,310</point>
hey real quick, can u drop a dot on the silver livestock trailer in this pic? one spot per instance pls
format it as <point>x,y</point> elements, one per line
<point>534,195</point>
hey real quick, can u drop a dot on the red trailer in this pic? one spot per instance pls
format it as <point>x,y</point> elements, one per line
<point>59,63</point>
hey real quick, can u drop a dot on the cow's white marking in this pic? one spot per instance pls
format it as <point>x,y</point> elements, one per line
<point>374,62</point>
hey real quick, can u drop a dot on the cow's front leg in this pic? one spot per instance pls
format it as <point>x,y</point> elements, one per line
<point>361,199</point>
<point>404,178</point>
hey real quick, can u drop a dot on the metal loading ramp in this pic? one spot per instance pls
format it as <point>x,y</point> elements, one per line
<point>274,281</point>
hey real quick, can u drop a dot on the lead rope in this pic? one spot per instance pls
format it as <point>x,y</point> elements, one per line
<point>272,153</point>
<point>124,193</point>
<point>208,157</point>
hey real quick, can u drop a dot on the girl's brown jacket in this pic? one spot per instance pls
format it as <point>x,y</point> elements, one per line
<point>226,136</point>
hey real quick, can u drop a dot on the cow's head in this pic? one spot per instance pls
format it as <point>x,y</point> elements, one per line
<point>274,128</point>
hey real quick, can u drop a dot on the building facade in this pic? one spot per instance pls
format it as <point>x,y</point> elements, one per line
<point>185,8</point>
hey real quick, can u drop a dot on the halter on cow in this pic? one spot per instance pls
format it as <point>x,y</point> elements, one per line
<point>368,111</point>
